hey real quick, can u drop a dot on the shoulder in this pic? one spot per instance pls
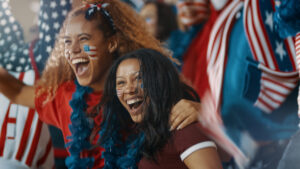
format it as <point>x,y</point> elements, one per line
<point>191,139</point>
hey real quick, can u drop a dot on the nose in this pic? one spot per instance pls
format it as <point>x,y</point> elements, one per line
<point>131,88</point>
<point>76,48</point>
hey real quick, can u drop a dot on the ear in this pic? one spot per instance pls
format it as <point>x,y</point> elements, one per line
<point>113,45</point>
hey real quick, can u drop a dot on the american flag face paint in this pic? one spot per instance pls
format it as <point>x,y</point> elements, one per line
<point>91,51</point>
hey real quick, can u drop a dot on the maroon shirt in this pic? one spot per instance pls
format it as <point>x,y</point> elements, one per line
<point>182,143</point>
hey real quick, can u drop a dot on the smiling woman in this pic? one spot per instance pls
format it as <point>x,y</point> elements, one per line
<point>141,89</point>
<point>69,91</point>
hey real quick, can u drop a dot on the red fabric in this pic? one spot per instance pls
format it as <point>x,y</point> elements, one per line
<point>194,61</point>
<point>57,112</point>
<point>169,156</point>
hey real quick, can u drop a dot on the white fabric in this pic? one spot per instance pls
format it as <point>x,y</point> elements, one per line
<point>12,164</point>
<point>196,147</point>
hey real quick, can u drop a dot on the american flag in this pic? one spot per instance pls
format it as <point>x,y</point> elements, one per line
<point>276,57</point>
<point>24,139</point>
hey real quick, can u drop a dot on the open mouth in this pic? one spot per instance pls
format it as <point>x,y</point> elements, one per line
<point>135,104</point>
<point>81,65</point>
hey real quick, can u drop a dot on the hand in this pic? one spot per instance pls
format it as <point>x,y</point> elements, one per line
<point>184,113</point>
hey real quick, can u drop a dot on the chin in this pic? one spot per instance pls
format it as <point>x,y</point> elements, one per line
<point>83,82</point>
<point>136,119</point>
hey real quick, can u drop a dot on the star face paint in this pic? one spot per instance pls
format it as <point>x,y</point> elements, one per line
<point>91,51</point>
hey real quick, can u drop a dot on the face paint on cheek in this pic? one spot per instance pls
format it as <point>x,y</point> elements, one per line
<point>119,92</point>
<point>91,51</point>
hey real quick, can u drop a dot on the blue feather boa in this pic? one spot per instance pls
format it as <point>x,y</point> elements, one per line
<point>118,153</point>
<point>81,129</point>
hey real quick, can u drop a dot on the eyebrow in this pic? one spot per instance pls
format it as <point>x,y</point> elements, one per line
<point>137,72</point>
<point>82,34</point>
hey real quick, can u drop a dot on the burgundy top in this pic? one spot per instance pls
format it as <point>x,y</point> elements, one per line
<point>181,145</point>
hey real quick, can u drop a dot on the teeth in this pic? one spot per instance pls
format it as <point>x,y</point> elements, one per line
<point>79,60</point>
<point>132,101</point>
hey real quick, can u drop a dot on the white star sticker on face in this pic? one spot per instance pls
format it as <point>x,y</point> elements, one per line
<point>48,49</point>
<point>41,35</point>
<point>52,4</point>
<point>269,20</point>
<point>47,38</point>
<point>54,15</point>
<point>3,22</point>
<point>279,50</point>
<point>56,25</point>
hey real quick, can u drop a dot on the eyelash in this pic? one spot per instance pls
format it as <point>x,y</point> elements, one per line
<point>120,83</point>
<point>67,41</point>
<point>83,38</point>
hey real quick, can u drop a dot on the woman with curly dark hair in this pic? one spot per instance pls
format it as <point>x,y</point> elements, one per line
<point>140,91</point>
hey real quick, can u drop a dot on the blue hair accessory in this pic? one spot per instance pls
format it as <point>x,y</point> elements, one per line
<point>80,128</point>
<point>118,153</point>
<point>287,18</point>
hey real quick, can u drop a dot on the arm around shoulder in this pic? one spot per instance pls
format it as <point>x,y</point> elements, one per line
<point>15,90</point>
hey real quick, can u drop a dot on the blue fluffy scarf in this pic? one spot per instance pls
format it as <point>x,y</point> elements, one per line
<point>119,153</point>
<point>81,129</point>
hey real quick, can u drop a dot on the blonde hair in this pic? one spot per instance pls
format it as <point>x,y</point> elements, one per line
<point>131,34</point>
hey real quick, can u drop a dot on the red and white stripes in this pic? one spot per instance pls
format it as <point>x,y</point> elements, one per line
<point>297,47</point>
<point>217,48</point>
<point>274,89</point>
<point>24,139</point>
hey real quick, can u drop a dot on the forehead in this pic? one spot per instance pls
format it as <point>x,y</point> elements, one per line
<point>128,67</point>
<point>78,24</point>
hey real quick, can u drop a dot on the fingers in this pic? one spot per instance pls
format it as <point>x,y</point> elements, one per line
<point>184,113</point>
<point>177,121</point>
<point>186,122</point>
